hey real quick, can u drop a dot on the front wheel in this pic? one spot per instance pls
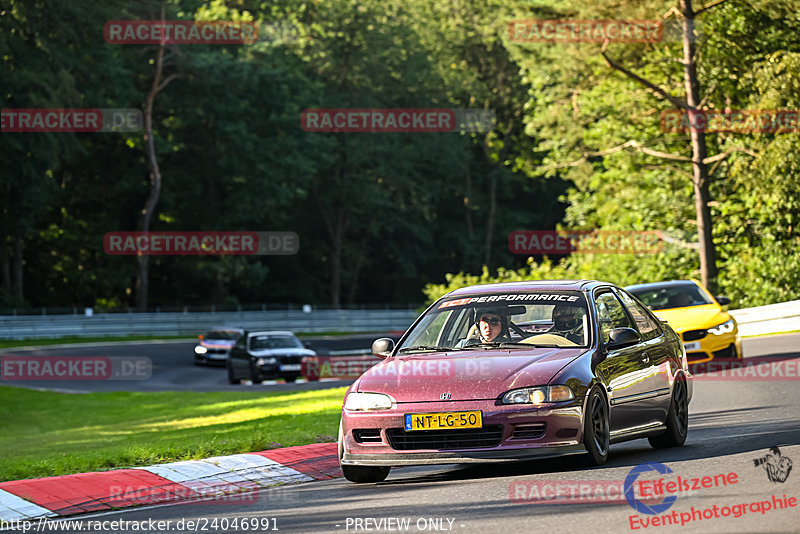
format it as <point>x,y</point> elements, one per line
<point>231,376</point>
<point>357,473</point>
<point>596,433</point>
<point>253,375</point>
<point>677,419</point>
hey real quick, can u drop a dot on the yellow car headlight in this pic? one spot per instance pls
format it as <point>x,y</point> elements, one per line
<point>723,328</point>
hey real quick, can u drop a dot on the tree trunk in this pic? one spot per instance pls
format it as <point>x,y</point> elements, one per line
<point>708,257</point>
<point>337,238</point>
<point>5,266</point>
<point>143,275</point>
<point>487,256</point>
<point>18,286</point>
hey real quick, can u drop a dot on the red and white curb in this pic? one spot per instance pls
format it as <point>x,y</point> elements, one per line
<point>214,479</point>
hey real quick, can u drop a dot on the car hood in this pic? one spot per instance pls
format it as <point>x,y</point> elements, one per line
<point>282,352</point>
<point>693,317</point>
<point>465,376</point>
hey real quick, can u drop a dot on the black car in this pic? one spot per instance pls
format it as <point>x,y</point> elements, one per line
<point>258,356</point>
<point>214,346</point>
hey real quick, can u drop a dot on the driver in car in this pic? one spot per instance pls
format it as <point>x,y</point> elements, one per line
<point>491,326</point>
<point>568,322</point>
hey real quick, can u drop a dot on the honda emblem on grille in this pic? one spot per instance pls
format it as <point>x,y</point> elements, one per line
<point>444,396</point>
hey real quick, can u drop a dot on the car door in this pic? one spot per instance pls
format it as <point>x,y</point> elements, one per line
<point>657,348</point>
<point>626,370</point>
<point>238,356</point>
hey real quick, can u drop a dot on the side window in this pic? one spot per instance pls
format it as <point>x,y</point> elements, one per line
<point>611,314</point>
<point>646,325</point>
<point>430,336</point>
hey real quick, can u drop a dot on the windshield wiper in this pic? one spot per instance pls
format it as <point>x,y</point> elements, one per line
<point>424,347</point>
<point>502,344</point>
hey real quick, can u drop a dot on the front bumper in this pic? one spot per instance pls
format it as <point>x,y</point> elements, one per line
<point>562,435</point>
<point>711,347</point>
<point>465,457</point>
<point>212,355</point>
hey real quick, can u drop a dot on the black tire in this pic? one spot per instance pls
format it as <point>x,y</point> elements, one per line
<point>290,379</point>
<point>596,430</point>
<point>253,375</point>
<point>231,376</point>
<point>677,419</point>
<point>357,473</point>
<point>198,361</point>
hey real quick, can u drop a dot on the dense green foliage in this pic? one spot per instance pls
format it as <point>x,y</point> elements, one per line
<point>381,215</point>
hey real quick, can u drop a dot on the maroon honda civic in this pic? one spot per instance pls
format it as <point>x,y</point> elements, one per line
<point>519,370</point>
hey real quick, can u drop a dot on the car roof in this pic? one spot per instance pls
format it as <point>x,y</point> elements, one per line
<point>226,329</point>
<point>529,285</point>
<point>272,333</point>
<point>661,285</point>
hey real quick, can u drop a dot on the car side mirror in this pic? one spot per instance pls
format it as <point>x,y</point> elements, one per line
<point>722,301</point>
<point>383,347</point>
<point>620,338</point>
<point>200,337</point>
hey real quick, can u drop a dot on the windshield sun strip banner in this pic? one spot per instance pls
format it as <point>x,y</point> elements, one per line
<point>512,297</point>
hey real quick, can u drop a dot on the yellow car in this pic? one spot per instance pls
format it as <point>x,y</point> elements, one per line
<point>696,316</point>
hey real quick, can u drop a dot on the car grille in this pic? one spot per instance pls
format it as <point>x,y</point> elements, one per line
<point>467,438</point>
<point>289,359</point>
<point>529,431</point>
<point>217,351</point>
<point>729,352</point>
<point>367,435</point>
<point>693,335</point>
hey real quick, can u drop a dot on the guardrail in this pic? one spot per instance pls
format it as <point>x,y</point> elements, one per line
<point>752,321</point>
<point>124,324</point>
<point>783,317</point>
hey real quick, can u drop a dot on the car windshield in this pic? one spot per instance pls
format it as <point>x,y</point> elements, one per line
<point>224,335</point>
<point>517,320</point>
<point>665,297</point>
<point>274,342</point>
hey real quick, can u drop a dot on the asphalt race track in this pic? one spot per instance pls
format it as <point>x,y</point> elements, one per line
<point>732,424</point>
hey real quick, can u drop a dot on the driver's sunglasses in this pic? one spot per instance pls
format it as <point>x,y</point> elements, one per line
<point>494,321</point>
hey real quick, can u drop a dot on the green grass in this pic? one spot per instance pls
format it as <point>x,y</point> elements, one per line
<point>772,334</point>
<point>44,433</point>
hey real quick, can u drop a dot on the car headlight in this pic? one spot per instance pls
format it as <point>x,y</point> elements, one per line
<point>538,395</point>
<point>200,349</point>
<point>266,361</point>
<point>723,328</point>
<point>364,402</point>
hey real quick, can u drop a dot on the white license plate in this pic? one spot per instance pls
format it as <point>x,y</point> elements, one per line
<point>693,346</point>
<point>290,367</point>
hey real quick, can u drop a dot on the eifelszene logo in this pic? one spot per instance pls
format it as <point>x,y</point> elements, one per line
<point>636,504</point>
